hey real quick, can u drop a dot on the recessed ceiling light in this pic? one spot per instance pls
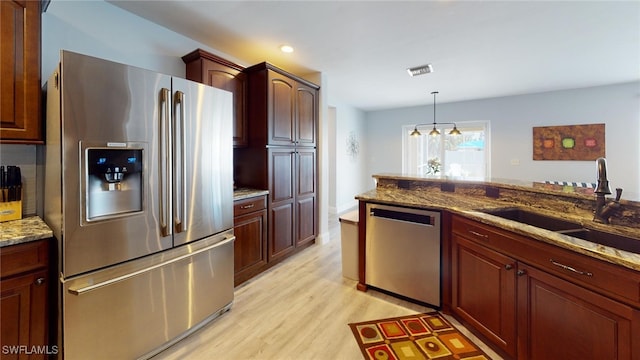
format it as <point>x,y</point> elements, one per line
<point>420,70</point>
<point>286,49</point>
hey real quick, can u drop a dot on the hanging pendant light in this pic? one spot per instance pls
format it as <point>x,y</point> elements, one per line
<point>455,131</point>
<point>434,131</point>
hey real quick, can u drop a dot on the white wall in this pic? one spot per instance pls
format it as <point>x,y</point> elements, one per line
<point>512,119</point>
<point>100,29</point>
<point>331,131</point>
<point>350,167</point>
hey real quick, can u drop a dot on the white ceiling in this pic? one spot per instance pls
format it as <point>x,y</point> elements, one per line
<point>478,49</point>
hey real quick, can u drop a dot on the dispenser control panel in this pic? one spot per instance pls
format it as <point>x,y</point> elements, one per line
<point>114,182</point>
<point>113,164</point>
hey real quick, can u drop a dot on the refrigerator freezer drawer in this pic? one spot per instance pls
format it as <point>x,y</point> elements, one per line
<point>140,307</point>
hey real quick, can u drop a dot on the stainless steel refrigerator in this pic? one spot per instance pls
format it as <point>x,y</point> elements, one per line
<point>139,194</point>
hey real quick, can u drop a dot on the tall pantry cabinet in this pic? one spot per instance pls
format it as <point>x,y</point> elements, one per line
<point>281,155</point>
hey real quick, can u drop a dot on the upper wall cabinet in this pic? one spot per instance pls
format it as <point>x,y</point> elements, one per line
<point>20,95</point>
<point>289,103</point>
<point>215,71</point>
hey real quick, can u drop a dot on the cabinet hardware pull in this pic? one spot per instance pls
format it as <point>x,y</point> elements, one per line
<point>567,267</point>
<point>40,281</point>
<point>521,272</point>
<point>508,266</point>
<point>247,206</point>
<point>479,234</point>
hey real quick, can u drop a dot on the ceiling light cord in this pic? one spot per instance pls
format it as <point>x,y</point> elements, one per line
<point>434,131</point>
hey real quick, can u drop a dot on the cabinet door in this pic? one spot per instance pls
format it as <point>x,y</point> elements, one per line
<point>232,80</point>
<point>484,291</point>
<point>250,247</point>
<point>215,71</point>
<point>306,206</point>
<point>281,117</point>
<point>20,72</point>
<point>281,201</point>
<point>306,115</point>
<point>560,320</point>
<point>23,305</point>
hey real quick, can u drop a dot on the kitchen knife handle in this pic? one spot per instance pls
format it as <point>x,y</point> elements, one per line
<point>2,184</point>
<point>18,183</point>
<point>10,183</point>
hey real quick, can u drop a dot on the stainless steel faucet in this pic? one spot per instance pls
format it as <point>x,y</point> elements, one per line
<point>604,210</point>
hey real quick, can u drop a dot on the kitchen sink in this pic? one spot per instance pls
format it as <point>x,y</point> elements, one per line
<point>607,239</point>
<point>534,219</point>
<point>568,228</point>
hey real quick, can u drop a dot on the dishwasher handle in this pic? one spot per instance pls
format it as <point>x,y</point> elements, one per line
<point>403,216</point>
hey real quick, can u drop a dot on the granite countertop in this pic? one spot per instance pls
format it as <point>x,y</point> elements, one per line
<point>472,206</point>
<point>245,193</point>
<point>628,196</point>
<point>24,230</point>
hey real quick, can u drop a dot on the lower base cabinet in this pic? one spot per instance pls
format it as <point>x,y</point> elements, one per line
<point>506,288</point>
<point>484,292</point>
<point>24,292</point>
<point>560,320</point>
<point>250,230</point>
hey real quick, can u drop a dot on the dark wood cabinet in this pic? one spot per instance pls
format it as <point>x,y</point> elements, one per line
<point>281,122</point>
<point>560,320</point>
<point>24,289</point>
<point>250,230</point>
<point>484,293</point>
<point>306,207</point>
<point>215,71</point>
<point>282,163</point>
<point>20,94</point>
<point>293,214</point>
<point>293,113</point>
<point>306,115</point>
<point>534,300</point>
<point>281,156</point>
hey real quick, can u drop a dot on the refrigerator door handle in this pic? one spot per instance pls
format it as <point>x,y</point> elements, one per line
<point>165,161</point>
<point>86,289</point>
<point>181,163</point>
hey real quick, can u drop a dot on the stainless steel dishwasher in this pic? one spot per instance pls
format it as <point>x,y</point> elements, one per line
<point>403,252</point>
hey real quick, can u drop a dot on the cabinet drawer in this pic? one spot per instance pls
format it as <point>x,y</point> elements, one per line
<point>600,276</point>
<point>16,259</point>
<point>245,206</point>
<point>481,233</point>
<point>583,270</point>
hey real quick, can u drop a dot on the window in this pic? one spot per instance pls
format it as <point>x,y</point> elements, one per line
<point>465,155</point>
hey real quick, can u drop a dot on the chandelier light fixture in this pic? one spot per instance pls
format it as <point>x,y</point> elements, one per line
<point>434,131</point>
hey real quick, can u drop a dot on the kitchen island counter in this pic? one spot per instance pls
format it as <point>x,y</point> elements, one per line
<point>24,230</point>
<point>471,198</point>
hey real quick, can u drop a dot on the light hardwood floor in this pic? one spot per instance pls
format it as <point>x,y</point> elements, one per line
<point>299,309</point>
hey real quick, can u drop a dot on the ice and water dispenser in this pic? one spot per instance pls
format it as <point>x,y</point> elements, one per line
<point>114,182</point>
